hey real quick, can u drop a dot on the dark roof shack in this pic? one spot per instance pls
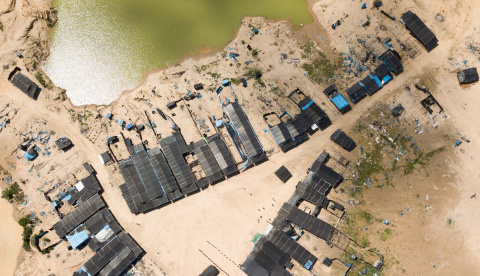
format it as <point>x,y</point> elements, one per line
<point>467,76</point>
<point>419,30</point>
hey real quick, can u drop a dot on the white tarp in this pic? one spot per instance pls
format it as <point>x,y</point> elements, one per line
<point>79,186</point>
<point>104,234</point>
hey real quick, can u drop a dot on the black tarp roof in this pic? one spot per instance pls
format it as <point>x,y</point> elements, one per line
<point>107,253</point>
<point>210,271</point>
<point>370,84</point>
<point>78,215</point>
<point>310,223</point>
<point>356,93</point>
<point>147,175</point>
<point>283,174</point>
<point>96,244</point>
<point>246,133</point>
<point>63,143</point>
<point>267,256</point>
<point>296,130</point>
<point>315,113</point>
<point>343,140</point>
<point>26,85</point>
<point>136,190</point>
<point>106,157</point>
<point>208,162</point>
<point>313,192</point>
<point>321,159</point>
<point>163,172</point>
<point>91,186</point>
<point>392,60</point>
<point>174,150</point>
<point>330,89</point>
<point>126,195</point>
<point>222,155</point>
<point>278,256</point>
<point>382,71</point>
<point>419,30</point>
<point>468,76</point>
<point>282,136</point>
<point>252,268</point>
<point>326,174</point>
<point>291,247</point>
<point>98,221</point>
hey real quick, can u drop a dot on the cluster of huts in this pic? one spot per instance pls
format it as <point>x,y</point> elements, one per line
<point>92,224</point>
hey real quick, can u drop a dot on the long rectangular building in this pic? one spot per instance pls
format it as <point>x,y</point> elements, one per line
<point>79,215</point>
<point>222,155</point>
<point>175,148</point>
<point>310,223</point>
<point>208,162</point>
<point>249,139</point>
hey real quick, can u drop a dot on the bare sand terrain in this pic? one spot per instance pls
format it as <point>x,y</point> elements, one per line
<point>432,211</point>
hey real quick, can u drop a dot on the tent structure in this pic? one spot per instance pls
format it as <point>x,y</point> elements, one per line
<point>105,158</point>
<point>330,89</point>
<point>315,113</point>
<point>419,30</point>
<point>210,271</point>
<point>243,128</point>
<point>392,60</point>
<point>310,223</point>
<point>208,162</point>
<point>26,85</point>
<point>467,76</point>
<point>266,259</point>
<point>291,247</point>
<point>356,93</point>
<point>83,190</point>
<point>222,155</point>
<point>283,174</point>
<point>78,216</point>
<point>175,148</point>
<point>64,144</point>
<point>383,73</point>
<point>324,173</point>
<point>343,140</point>
<point>282,136</point>
<point>149,182</point>
<point>371,83</point>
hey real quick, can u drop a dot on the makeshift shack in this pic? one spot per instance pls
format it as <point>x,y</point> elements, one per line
<point>343,140</point>
<point>64,144</point>
<point>26,85</point>
<point>467,76</point>
<point>419,30</point>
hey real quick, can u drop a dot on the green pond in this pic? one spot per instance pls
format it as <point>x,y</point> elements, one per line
<point>103,47</point>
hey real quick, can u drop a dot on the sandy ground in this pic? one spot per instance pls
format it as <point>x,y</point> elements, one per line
<point>216,225</point>
<point>10,238</point>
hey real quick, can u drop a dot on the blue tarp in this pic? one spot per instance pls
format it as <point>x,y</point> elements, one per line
<point>121,122</point>
<point>78,238</point>
<point>29,157</point>
<point>307,105</point>
<point>377,80</point>
<point>129,126</point>
<point>225,82</point>
<point>386,79</point>
<point>340,102</point>
<point>109,116</point>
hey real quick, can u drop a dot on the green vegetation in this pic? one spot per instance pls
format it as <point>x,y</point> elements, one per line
<point>1,26</point>
<point>450,221</point>
<point>235,81</point>
<point>254,53</point>
<point>370,164</point>
<point>12,192</point>
<point>28,227</point>
<point>385,234</point>
<point>42,81</point>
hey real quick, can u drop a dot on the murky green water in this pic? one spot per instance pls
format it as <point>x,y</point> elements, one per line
<point>102,47</point>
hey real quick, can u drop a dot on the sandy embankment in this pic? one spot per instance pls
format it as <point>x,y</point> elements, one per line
<point>10,238</point>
